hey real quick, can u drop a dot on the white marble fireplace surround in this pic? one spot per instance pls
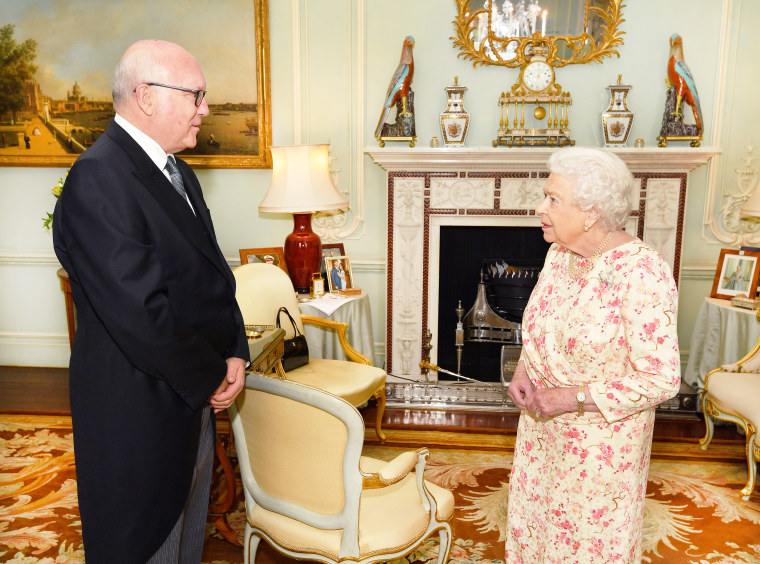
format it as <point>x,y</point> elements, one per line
<point>430,188</point>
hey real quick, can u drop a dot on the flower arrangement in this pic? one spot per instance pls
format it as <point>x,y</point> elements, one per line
<point>57,189</point>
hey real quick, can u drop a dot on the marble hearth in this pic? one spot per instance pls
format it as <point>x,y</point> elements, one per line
<point>431,188</point>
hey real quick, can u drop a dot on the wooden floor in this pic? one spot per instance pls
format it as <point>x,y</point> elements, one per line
<point>46,390</point>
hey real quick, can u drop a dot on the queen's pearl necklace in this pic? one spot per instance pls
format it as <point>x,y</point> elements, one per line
<point>579,271</point>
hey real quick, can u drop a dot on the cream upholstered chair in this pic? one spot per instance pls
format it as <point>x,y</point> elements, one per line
<point>261,290</point>
<point>311,495</point>
<point>732,393</point>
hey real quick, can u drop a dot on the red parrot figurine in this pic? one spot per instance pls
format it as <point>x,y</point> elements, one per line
<point>400,83</point>
<point>681,78</point>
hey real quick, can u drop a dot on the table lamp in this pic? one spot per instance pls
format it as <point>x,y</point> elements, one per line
<point>302,185</point>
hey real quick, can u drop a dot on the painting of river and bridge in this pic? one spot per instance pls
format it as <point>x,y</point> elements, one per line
<point>59,100</point>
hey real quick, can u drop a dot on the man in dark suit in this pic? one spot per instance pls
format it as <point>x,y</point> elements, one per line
<point>160,342</point>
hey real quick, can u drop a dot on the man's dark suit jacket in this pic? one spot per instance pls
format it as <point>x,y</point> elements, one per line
<point>156,321</point>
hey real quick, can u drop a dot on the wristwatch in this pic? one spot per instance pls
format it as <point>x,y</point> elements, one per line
<point>581,397</point>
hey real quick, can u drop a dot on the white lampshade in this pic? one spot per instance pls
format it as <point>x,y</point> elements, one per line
<point>301,181</point>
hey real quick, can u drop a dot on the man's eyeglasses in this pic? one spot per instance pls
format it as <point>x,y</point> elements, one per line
<point>199,94</point>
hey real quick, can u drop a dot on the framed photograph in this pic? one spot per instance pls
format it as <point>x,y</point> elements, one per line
<point>333,250</point>
<point>736,275</point>
<point>57,101</point>
<point>330,250</point>
<point>269,255</point>
<point>339,275</point>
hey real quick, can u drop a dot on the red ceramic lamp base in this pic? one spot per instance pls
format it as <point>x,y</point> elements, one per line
<point>303,252</point>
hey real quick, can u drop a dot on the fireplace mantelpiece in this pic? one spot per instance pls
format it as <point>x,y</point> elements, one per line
<point>428,188</point>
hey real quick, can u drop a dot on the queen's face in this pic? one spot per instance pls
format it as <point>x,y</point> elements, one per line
<point>561,220</point>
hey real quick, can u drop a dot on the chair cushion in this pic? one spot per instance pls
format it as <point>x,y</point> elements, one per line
<point>738,393</point>
<point>353,382</point>
<point>443,497</point>
<point>390,519</point>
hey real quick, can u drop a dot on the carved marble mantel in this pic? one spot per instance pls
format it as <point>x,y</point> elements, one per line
<point>430,188</point>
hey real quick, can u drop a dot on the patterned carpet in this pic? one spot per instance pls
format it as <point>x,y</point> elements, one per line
<point>694,514</point>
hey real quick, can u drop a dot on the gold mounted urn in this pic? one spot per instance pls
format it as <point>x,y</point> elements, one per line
<point>617,120</point>
<point>455,120</point>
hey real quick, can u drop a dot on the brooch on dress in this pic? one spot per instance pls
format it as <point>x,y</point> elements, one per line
<point>607,276</point>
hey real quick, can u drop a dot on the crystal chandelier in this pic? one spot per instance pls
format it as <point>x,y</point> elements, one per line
<point>511,20</point>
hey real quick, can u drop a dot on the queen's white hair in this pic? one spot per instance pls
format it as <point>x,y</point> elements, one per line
<point>599,181</point>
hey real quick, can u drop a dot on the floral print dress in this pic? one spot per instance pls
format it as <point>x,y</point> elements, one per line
<point>577,486</point>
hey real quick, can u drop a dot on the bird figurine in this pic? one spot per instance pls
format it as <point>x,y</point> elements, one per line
<point>680,77</point>
<point>399,85</point>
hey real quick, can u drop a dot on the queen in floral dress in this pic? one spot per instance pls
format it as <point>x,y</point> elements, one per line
<point>600,351</point>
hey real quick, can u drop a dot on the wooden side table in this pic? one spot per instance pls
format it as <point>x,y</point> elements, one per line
<point>71,314</point>
<point>266,354</point>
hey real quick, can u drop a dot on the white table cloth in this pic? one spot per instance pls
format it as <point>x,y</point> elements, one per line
<point>722,335</point>
<point>324,343</point>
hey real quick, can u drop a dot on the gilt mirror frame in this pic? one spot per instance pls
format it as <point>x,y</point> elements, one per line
<point>583,48</point>
<point>75,36</point>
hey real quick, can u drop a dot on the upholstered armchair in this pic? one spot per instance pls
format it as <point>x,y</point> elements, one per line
<point>261,290</point>
<point>732,393</point>
<point>311,495</point>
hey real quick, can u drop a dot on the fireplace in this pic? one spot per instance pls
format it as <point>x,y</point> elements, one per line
<point>432,190</point>
<point>504,263</point>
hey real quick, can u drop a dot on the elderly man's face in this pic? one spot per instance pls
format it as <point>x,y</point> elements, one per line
<point>561,220</point>
<point>179,119</point>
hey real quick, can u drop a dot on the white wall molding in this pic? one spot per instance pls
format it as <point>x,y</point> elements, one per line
<point>34,349</point>
<point>721,225</point>
<point>351,225</point>
<point>295,34</point>
<point>706,274</point>
<point>357,53</point>
<point>27,337</point>
<point>370,265</point>
<point>28,259</point>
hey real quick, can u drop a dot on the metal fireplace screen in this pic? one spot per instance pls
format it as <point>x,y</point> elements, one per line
<point>496,315</point>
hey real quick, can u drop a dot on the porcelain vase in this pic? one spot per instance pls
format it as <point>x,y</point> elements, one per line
<point>617,120</point>
<point>455,120</point>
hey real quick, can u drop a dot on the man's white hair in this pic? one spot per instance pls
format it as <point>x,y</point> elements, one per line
<point>139,64</point>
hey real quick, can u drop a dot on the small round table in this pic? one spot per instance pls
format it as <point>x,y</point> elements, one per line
<point>324,343</point>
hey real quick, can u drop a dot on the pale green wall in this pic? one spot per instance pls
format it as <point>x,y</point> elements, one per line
<point>328,83</point>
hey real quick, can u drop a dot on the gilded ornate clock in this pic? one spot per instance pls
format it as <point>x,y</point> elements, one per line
<point>509,36</point>
<point>535,88</point>
<point>537,75</point>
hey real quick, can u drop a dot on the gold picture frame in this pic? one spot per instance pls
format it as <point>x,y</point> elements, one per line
<point>736,275</point>
<point>330,250</point>
<point>346,279</point>
<point>244,123</point>
<point>270,255</point>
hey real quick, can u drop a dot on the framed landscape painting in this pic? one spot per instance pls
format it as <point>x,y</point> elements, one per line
<point>56,98</point>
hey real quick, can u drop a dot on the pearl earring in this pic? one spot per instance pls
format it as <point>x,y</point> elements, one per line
<point>585,228</point>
